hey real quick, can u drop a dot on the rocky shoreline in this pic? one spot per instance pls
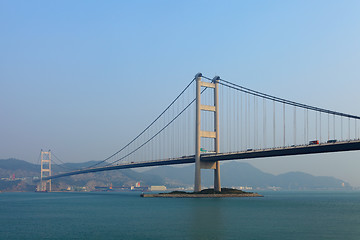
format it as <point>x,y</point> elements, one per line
<point>206,193</point>
<point>166,195</point>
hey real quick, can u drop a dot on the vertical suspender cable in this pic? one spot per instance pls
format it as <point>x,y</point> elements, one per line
<point>284,121</point>
<point>245,121</point>
<point>328,126</point>
<point>186,140</point>
<point>304,126</point>
<point>249,121</point>
<point>182,132</point>
<point>316,132</point>
<point>222,108</point>
<point>189,136</point>
<point>342,128</point>
<point>255,123</point>
<point>167,143</point>
<point>235,122</point>
<point>170,136</point>
<point>274,122</point>
<point>166,138</point>
<point>179,146</point>
<point>264,123</point>
<point>320,126</point>
<point>294,125</point>
<point>241,116</point>
<point>174,132</point>
<point>265,135</point>
<point>355,129</point>
<point>154,147</point>
<point>159,142</point>
<point>349,130</point>
<point>228,120</point>
<point>334,125</point>
<point>307,124</point>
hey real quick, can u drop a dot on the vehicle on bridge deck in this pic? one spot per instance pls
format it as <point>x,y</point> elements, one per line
<point>208,153</point>
<point>332,141</point>
<point>315,142</point>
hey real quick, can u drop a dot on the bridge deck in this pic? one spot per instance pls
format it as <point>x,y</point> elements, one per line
<point>263,153</point>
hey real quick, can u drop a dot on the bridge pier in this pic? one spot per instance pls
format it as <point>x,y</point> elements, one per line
<point>217,185</point>
<point>206,134</point>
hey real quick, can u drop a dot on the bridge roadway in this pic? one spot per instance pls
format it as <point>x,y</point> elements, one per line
<point>250,154</point>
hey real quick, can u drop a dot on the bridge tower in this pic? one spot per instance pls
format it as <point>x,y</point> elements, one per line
<point>45,185</point>
<point>207,134</point>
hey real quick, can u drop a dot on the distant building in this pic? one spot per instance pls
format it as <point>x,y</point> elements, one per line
<point>157,188</point>
<point>244,188</point>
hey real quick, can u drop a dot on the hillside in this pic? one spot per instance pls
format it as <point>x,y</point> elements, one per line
<point>232,174</point>
<point>244,174</point>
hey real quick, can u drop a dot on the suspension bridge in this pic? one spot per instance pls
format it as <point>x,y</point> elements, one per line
<point>215,120</point>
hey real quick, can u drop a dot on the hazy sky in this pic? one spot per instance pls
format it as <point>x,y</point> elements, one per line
<point>82,78</point>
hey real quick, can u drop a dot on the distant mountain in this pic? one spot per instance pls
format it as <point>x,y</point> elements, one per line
<point>232,174</point>
<point>244,174</point>
<point>300,180</point>
<point>13,164</point>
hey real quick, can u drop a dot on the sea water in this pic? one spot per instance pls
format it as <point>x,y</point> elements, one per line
<point>277,215</point>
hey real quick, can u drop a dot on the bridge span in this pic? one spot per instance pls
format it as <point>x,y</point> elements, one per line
<point>250,154</point>
<point>247,124</point>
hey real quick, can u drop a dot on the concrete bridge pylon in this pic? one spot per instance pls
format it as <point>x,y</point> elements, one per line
<point>214,134</point>
<point>45,185</point>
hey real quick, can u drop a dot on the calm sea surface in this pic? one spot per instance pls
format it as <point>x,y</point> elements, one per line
<point>279,215</point>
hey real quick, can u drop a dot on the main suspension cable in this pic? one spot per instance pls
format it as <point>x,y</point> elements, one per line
<point>156,133</point>
<point>146,127</point>
<point>281,100</point>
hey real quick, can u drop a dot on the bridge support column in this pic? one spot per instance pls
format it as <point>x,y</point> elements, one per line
<point>45,185</point>
<point>206,134</point>
<point>197,186</point>
<point>217,185</point>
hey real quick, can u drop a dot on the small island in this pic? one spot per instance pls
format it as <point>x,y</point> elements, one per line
<point>206,193</point>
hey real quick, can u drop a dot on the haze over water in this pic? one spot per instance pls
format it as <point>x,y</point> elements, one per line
<point>278,215</point>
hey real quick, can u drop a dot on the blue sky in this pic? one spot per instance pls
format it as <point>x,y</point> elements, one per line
<point>84,77</point>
